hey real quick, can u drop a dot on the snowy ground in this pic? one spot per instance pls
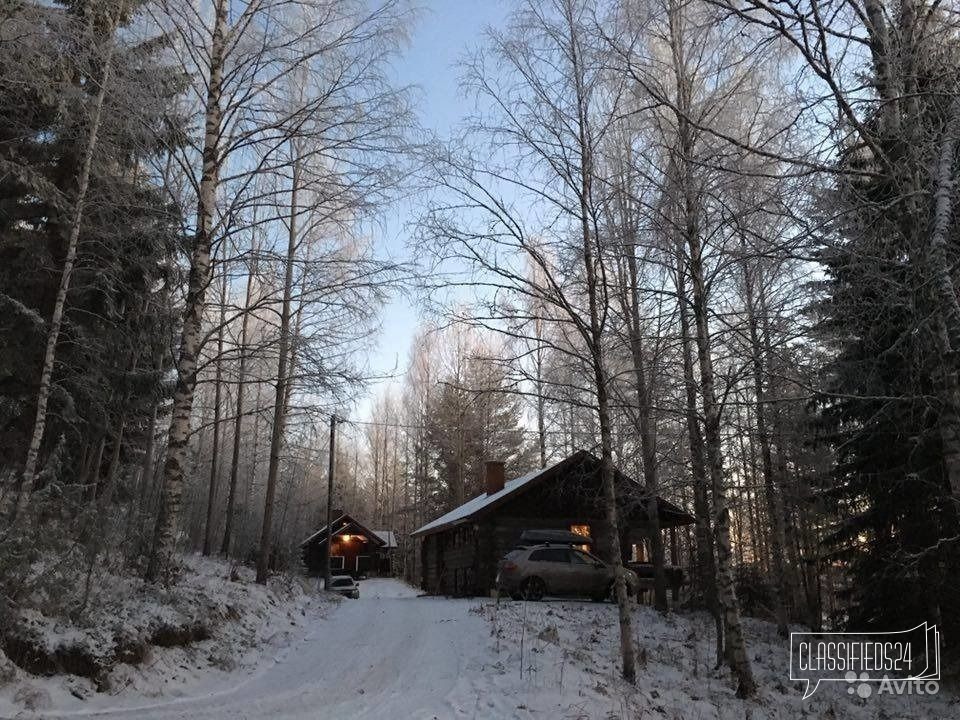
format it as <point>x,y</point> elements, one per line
<point>570,661</point>
<point>394,656</point>
<point>243,623</point>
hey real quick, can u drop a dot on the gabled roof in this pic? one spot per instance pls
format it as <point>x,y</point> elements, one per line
<point>344,522</point>
<point>481,502</point>
<point>388,537</point>
<point>484,503</point>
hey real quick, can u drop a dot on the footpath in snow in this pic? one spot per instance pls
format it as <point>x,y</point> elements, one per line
<point>394,656</point>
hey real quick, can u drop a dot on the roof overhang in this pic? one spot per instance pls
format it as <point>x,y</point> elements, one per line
<point>344,525</point>
<point>513,488</point>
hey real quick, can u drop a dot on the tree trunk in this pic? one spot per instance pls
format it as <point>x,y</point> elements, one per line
<point>28,480</point>
<point>608,475</point>
<point>594,337</point>
<point>774,500</point>
<point>178,436</point>
<point>541,400</point>
<point>251,476</point>
<point>736,648</point>
<point>706,561</point>
<point>689,228</point>
<point>809,557</point>
<point>793,572</point>
<point>734,644</point>
<point>146,468</point>
<point>279,403</point>
<point>948,306</point>
<point>144,483</point>
<point>648,433</point>
<point>109,483</point>
<point>378,509</point>
<point>238,420</point>
<point>92,477</point>
<point>217,396</point>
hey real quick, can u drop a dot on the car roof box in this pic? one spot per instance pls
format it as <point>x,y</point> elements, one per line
<point>555,537</point>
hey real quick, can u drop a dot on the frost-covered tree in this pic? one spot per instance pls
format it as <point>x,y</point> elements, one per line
<point>86,113</point>
<point>473,418</point>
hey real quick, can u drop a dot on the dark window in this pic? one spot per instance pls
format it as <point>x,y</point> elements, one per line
<point>345,582</point>
<point>550,555</point>
<point>581,557</point>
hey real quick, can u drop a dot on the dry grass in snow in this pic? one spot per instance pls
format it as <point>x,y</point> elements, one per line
<point>567,653</point>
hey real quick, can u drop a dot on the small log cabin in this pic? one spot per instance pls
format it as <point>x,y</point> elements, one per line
<point>355,549</point>
<point>460,550</point>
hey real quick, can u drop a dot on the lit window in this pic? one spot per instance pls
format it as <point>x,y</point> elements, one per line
<point>638,552</point>
<point>583,531</point>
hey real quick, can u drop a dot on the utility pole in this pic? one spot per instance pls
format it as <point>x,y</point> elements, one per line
<point>330,470</point>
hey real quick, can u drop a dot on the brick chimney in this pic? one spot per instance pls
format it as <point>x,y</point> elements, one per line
<point>493,476</point>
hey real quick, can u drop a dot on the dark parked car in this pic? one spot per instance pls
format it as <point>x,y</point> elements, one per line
<point>345,585</point>
<point>531,572</point>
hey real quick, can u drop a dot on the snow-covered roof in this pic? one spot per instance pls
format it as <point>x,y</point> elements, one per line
<point>471,507</point>
<point>321,531</point>
<point>342,522</point>
<point>387,536</point>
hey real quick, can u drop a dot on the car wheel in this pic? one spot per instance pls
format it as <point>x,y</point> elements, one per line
<point>533,589</point>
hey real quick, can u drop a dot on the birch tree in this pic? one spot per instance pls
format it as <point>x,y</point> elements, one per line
<point>884,73</point>
<point>109,16</point>
<point>283,351</point>
<point>199,275</point>
<point>242,60</point>
<point>680,59</point>
<point>625,224</point>
<point>240,407</point>
<point>554,119</point>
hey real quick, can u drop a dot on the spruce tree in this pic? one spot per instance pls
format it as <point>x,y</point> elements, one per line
<point>108,374</point>
<point>888,408</point>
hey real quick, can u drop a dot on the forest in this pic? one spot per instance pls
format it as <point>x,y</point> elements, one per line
<point>713,242</point>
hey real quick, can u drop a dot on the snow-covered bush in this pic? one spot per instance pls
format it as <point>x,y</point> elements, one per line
<point>125,620</point>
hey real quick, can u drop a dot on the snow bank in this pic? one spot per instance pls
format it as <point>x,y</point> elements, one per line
<point>141,641</point>
<point>561,660</point>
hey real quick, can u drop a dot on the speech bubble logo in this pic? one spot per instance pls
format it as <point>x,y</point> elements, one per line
<point>905,655</point>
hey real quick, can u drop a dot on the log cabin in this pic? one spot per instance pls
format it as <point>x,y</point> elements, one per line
<point>459,551</point>
<point>355,549</point>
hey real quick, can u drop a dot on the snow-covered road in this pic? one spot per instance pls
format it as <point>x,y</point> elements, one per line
<point>393,656</point>
<point>387,655</point>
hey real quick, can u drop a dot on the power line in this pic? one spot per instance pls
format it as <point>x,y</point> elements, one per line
<point>406,426</point>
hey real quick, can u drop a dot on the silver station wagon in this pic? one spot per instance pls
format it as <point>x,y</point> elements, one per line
<point>530,573</point>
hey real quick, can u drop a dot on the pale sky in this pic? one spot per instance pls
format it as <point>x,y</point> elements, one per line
<point>445,31</point>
